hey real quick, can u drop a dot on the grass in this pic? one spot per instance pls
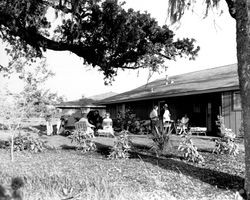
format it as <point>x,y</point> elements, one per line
<point>65,174</point>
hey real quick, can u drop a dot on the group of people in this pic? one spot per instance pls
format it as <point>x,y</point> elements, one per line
<point>160,121</point>
<point>96,124</point>
<point>93,121</point>
<point>164,122</point>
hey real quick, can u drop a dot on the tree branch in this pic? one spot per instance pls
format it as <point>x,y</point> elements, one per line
<point>165,56</point>
<point>231,8</point>
<point>32,37</point>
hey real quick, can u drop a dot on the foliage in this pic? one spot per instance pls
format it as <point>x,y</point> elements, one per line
<point>83,139</point>
<point>177,8</point>
<point>36,100</point>
<point>121,147</point>
<point>102,32</point>
<point>161,140</point>
<point>130,123</point>
<point>189,150</point>
<point>28,143</point>
<point>226,143</point>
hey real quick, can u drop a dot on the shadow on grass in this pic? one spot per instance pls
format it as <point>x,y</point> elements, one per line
<point>68,147</point>
<point>173,162</point>
<point>219,179</point>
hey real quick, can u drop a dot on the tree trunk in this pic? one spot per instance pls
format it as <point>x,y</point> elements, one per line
<point>12,147</point>
<point>243,57</point>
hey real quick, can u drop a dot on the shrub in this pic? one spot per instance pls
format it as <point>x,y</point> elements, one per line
<point>27,142</point>
<point>226,143</point>
<point>161,140</point>
<point>189,150</point>
<point>83,139</point>
<point>130,122</point>
<point>121,147</point>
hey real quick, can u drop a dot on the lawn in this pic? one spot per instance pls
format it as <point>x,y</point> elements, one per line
<point>68,174</point>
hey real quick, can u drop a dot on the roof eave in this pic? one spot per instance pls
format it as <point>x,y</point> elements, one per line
<point>224,89</point>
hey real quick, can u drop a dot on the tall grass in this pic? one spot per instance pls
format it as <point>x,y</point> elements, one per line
<point>64,175</point>
<point>55,175</point>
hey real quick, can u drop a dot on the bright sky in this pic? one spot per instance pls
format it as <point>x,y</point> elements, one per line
<point>215,35</point>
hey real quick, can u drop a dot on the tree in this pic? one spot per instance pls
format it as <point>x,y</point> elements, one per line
<point>100,31</point>
<point>32,101</point>
<point>240,11</point>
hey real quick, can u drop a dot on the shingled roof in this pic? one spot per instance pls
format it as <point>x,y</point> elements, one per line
<point>217,79</point>
<point>81,103</point>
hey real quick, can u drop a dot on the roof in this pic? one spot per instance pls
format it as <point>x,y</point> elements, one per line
<point>224,78</point>
<point>81,103</point>
<point>103,96</point>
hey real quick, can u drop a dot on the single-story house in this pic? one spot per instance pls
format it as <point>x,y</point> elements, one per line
<point>80,106</point>
<point>202,95</point>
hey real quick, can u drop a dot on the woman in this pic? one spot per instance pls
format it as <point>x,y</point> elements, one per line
<point>166,119</point>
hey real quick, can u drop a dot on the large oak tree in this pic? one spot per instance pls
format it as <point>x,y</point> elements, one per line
<point>240,11</point>
<point>100,31</point>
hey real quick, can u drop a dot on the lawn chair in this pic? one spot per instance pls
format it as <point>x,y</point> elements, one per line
<point>168,127</point>
<point>83,126</point>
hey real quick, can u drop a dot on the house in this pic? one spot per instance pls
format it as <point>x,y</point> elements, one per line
<point>79,106</point>
<point>202,95</point>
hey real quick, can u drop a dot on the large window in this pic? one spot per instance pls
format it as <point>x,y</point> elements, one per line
<point>236,101</point>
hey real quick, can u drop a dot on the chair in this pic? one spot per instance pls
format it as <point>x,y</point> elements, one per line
<point>168,127</point>
<point>83,126</point>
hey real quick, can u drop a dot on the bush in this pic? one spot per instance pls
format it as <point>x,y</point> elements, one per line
<point>130,122</point>
<point>83,140</point>
<point>226,143</point>
<point>189,150</point>
<point>27,142</point>
<point>121,147</point>
<point>160,141</point>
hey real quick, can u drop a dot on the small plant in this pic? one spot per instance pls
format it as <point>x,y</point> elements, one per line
<point>83,140</point>
<point>161,140</point>
<point>226,143</point>
<point>121,147</point>
<point>27,142</point>
<point>225,146</point>
<point>189,150</point>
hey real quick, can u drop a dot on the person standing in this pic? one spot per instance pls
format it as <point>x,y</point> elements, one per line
<point>154,119</point>
<point>167,123</point>
<point>166,115</point>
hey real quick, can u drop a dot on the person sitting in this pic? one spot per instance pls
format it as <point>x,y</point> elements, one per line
<point>95,119</point>
<point>84,125</point>
<point>183,125</point>
<point>107,128</point>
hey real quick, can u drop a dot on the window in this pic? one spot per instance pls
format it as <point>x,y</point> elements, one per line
<point>236,101</point>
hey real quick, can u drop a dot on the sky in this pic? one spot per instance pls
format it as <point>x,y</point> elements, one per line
<point>215,35</point>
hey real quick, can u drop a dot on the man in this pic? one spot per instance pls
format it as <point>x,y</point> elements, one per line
<point>154,119</point>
